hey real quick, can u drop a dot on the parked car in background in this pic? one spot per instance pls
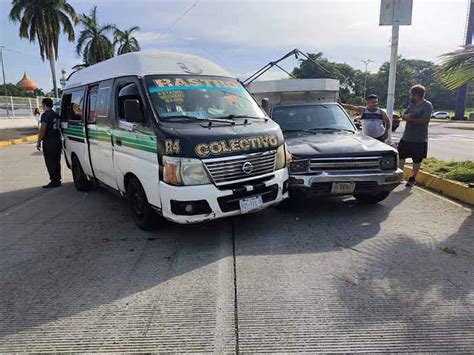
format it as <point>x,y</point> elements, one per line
<point>328,155</point>
<point>442,115</point>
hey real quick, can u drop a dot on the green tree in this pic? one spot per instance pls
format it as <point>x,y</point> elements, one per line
<point>93,43</point>
<point>43,20</point>
<point>126,41</point>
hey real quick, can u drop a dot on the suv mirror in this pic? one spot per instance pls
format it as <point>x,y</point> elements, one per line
<point>266,105</point>
<point>132,111</point>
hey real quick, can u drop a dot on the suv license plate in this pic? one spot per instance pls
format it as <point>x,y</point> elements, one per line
<point>250,204</point>
<point>343,187</point>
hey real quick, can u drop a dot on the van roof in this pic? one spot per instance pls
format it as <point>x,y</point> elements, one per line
<point>145,63</point>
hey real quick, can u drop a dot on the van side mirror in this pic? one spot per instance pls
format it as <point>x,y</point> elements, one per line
<point>266,105</point>
<point>132,111</point>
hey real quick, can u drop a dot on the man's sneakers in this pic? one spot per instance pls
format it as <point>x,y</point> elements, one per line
<point>51,185</point>
<point>411,182</point>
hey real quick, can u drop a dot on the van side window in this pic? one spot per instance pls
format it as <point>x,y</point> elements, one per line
<point>66,107</point>
<point>130,91</point>
<point>92,114</point>
<point>77,104</point>
<point>102,108</point>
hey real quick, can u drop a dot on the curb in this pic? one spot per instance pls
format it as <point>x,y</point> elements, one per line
<point>448,188</point>
<point>27,139</point>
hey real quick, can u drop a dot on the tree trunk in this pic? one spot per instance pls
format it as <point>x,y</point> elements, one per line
<point>52,63</point>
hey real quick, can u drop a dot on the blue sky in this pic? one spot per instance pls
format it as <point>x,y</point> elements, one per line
<point>242,36</point>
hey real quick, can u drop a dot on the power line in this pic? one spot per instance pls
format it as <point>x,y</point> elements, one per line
<point>22,53</point>
<point>179,18</point>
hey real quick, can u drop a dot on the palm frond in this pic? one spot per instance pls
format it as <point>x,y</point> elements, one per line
<point>457,67</point>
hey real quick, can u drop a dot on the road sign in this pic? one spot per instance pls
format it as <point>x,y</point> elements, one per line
<point>395,11</point>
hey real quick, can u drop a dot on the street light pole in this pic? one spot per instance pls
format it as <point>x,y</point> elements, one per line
<point>366,62</point>
<point>4,82</point>
<point>392,76</point>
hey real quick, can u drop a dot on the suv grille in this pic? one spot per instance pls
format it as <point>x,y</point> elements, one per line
<point>345,164</point>
<point>229,170</point>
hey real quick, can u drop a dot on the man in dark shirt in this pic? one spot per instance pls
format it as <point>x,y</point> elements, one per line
<point>49,137</point>
<point>414,142</point>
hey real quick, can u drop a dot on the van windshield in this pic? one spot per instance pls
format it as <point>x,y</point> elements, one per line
<point>201,97</point>
<point>312,117</point>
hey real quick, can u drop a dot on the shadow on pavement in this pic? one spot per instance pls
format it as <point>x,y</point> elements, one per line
<point>69,253</point>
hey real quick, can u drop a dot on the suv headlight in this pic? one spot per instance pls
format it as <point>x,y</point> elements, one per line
<point>184,171</point>
<point>280,159</point>
<point>388,162</point>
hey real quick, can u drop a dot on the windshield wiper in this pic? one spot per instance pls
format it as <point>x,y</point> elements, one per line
<point>209,119</point>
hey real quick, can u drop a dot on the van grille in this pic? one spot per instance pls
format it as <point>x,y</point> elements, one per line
<point>230,170</point>
<point>345,164</point>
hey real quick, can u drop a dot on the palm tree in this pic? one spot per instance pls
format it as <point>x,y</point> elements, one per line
<point>43,20</point>
<point>93,42</point>
<point>457,67</point>
<point>127,43</point>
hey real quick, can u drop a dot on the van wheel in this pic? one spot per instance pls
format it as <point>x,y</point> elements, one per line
<point>372,198</point>
<point>80,179</point>
<point>142,213</point>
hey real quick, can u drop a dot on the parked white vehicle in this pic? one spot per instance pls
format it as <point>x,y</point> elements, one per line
<point>174,133</point>
<point>441,115</point>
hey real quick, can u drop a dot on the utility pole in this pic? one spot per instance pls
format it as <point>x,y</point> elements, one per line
<point>394,13</point>
<point>366,62</point>
<point>4,82</point>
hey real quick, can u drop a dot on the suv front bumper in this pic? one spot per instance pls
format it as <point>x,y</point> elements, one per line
<point>365,183</point>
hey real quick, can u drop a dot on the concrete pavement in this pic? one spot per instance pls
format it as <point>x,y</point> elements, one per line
<point>330,276</point>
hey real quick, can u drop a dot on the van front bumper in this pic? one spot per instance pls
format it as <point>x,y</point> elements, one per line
<point>219,203</point>
<point>365,183</point>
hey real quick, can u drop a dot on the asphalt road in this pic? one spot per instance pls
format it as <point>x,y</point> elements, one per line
<point>448,141</point>
<point>330,276</point>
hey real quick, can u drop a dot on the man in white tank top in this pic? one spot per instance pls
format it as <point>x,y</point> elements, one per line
<point>375,122</point>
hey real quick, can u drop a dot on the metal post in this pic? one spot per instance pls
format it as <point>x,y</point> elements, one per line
<point>366,62</point>
<point>392,75</point>
<point>31,108</point>
<point>13,108</point>
<point>4,80</point>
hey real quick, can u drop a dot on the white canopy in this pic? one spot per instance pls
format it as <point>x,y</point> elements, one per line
<point>146,63</point>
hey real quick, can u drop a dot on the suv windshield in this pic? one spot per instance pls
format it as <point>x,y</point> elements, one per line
<point>201,97</point>
<point>311,117</point>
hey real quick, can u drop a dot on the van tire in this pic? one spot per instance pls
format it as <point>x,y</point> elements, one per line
<point>80,178</point>
<point>142,213</point>
<point>372,198</point>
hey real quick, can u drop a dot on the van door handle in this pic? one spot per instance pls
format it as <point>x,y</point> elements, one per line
<point>118,141</point>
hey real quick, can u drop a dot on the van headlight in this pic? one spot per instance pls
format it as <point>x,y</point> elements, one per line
<point>280,160</point>
<point>388,162</point>
<point>184,171</point>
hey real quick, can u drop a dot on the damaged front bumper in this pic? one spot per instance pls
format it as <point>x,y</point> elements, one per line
<point>364,183</point>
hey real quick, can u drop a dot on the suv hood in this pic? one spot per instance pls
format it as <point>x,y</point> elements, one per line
<point>198,140</point>
<point>306,145</point>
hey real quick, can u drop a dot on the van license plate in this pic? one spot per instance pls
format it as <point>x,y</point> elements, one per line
<point>343,187</point>
<point>250,204</point>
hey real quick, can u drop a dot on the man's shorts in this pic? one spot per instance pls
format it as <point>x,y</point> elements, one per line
<point>417,151</point>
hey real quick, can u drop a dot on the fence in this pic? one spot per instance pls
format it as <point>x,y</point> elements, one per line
<point>19,107</point>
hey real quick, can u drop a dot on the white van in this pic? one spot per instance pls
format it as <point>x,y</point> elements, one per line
<point>174,133</point>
